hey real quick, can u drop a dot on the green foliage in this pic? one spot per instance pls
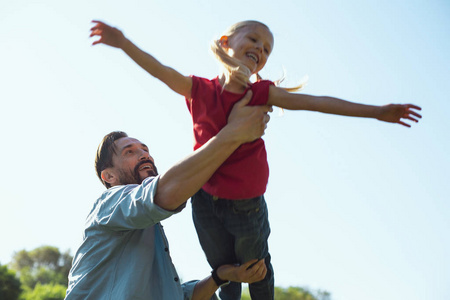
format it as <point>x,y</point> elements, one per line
<point>293,293</point>
<point>45,292</point>
<point>30,278</point>
<point>43,276</point>
<point>43,273</point>
<point>44,265</point>
<point>9,284</point>
<point>245,295</point>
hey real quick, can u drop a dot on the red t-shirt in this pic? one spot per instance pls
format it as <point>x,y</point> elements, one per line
<point>245,173</point>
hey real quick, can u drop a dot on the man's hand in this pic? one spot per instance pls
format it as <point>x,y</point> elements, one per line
<point>245,124</point>
<point>243,273</point>
<point>108,35</point>
<point>248,122</point>
<point>394,113</point>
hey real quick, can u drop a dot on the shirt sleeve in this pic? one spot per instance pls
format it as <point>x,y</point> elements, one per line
<point>188,290</point>
<point>260,91</point>
<point>132,206</point>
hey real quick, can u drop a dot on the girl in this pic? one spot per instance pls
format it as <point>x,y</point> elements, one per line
<point>229,212</point>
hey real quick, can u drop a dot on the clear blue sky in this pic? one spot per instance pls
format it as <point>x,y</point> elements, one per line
<point>357,207</point>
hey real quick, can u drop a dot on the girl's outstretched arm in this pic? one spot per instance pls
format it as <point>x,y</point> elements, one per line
<point>115,38</point>
<point>393,113</point>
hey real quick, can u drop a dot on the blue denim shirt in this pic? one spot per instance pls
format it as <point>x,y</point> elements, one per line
<point>124,253</point>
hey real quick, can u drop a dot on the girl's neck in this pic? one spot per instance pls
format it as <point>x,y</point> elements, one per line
<point>233,86</point>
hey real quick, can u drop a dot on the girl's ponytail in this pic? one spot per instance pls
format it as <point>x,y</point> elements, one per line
<point>233,67</point>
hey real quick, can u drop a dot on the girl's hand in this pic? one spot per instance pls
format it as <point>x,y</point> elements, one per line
<point>395,113</point>
<point>108,35</point>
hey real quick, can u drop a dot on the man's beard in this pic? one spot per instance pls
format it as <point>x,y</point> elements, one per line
<point>134,177</point>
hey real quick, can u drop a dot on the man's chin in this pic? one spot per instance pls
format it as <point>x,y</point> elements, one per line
<point>146,174</point>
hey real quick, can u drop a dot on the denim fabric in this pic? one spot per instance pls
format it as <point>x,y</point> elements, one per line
<point>234,231</point>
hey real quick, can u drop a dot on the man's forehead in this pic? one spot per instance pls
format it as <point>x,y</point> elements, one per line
<point>126,142</point>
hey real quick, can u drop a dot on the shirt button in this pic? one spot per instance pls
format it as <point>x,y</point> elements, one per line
<point>166,249</point>
<point>176,279</point>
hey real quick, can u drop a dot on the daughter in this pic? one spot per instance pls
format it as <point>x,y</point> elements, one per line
<point>229,212</point>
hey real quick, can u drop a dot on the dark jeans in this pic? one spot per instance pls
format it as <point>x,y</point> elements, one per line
<point>234,231</point>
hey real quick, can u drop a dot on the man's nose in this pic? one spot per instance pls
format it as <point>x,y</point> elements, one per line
<point>144,155</point>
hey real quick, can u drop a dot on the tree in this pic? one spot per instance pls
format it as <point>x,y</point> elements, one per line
<point>296,293</point>
<point>9,284</point>
<point>43,273</point>
<point>44,265</point>
<point>45,292</point>
<point>293,293</point>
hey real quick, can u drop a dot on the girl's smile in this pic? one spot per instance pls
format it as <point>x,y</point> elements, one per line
<point>251,45</point>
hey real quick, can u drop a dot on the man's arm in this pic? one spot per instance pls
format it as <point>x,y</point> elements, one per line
<point>205,288</point>
<point>245,124</point>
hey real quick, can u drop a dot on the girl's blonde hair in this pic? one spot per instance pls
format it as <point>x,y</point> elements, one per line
<point>233,67</point>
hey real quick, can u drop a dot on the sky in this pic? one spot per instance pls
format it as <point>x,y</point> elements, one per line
<point>357,207</point>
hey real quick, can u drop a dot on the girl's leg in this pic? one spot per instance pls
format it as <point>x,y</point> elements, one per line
<point>248,222</point>
<point>217,243</point>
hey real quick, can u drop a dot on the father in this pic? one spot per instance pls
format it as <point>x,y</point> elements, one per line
<point>124,253</point>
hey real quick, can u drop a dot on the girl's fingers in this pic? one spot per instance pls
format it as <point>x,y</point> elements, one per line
<point>412,119</point>
<point>96,31</point>
<point>404,124</point>
<point>95,43</point>
<point>414,106</point>
<point>415,114</point>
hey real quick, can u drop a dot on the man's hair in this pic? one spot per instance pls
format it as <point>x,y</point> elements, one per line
<point>105,152</point>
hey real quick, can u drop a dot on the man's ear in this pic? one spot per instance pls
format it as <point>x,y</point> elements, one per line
<point>223,41</point>
<point>109,176</point>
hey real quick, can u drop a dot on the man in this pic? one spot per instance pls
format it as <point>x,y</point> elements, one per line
<point>124,253</point>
